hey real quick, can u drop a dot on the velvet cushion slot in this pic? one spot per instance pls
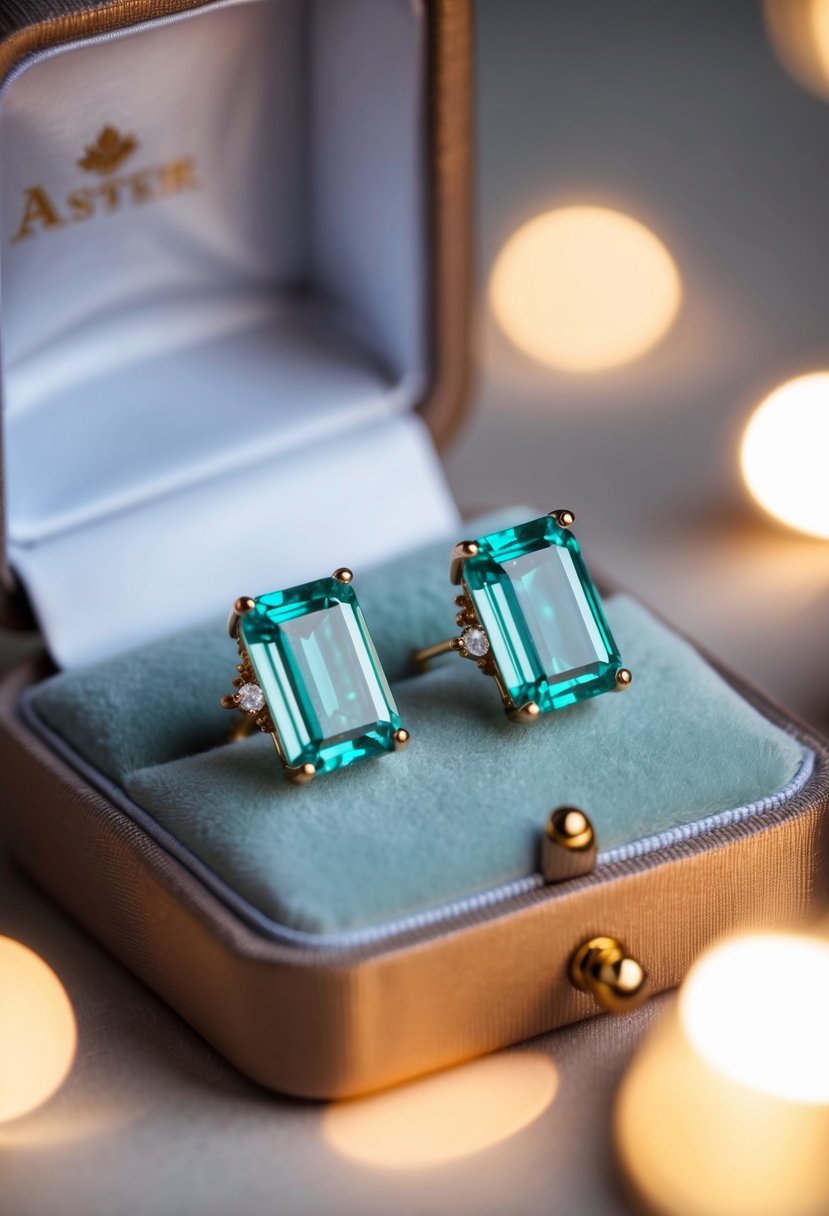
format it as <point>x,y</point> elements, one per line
<point>460,811</point>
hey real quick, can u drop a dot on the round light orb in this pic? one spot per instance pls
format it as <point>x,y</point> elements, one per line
<point>445,1116</point>
<point>38,1035</point>
<point>799,34</point>
<point>583,289</point>
<point>725,1108</point>
<point>784,454</point>
<point>755,1008</point>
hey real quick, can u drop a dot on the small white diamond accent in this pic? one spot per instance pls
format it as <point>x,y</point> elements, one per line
<point>475,642</point>
<point>251,698</point>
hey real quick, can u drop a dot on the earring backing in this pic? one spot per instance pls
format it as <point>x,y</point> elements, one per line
<point>531,618</point>
<point>309,676</point>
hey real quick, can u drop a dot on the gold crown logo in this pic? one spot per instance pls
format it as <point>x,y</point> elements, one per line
<point>109,151</point>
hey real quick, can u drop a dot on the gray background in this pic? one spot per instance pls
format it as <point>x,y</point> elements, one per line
<point>679,114</point>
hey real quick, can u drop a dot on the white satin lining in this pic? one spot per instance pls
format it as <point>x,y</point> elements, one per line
<point>158,359</point>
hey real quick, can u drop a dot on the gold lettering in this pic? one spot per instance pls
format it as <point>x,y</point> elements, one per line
<point>82,204</point>
<point>110,192</point>
<point>178,175</point>
<point>38,210</point>
<point>141,186</point>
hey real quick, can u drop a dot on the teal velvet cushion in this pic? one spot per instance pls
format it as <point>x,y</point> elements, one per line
<point>460,811</point>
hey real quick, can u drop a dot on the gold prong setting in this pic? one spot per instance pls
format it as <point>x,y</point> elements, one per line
<point>624,678</point>
<point>301,774</point>
<point>475,643</point>
<point>529,712</point>
<point>463,550</point>
<point>563,517</point>
<point>241,606</point>
<point>472,643</point>
<point>248,698</point>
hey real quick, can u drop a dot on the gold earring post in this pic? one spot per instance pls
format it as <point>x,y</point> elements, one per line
<point>421,657</point>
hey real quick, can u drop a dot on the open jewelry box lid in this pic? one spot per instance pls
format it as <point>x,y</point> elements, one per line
<point>234,250</point>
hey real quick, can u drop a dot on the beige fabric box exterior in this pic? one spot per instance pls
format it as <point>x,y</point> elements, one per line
<point>326,1024</point>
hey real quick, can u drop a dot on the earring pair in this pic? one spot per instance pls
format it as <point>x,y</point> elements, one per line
<point>530,618</point>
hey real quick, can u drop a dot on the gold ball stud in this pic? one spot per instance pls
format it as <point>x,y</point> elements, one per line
<point>603,967</point>
<point>343,574</point>
<point>624,678</point>
<point>401,738</point>
<point>570,827</point>
<point>568,847</point>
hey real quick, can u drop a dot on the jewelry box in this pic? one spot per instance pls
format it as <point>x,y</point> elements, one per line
<point>235,296</point>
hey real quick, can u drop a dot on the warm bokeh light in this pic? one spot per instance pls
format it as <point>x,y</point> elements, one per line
<point>444,1116</point>
<point>583,289</point>
<point>784,454</point>
<point>772,1044</point>
<point>725,1110</point>
<point>37,1030</point>
<point>799,34</point>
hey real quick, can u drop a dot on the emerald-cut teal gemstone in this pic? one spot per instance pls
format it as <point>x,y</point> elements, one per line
<point>542,615</point>
<point>326,690</point>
